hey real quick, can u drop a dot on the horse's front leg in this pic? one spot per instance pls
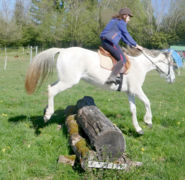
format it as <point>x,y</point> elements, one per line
<point>148,115</point>
<point>131,99</point>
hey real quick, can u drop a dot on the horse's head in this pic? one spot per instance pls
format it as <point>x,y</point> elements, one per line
<point>165,66</point>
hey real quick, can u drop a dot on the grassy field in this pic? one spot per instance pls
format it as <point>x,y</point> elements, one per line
<point>29,149</point>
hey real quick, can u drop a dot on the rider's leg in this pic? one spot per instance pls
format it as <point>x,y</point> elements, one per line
<point>117,53</point>
<point>116,69</point>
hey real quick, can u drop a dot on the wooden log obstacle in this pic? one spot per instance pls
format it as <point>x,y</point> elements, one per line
<point>104,136</point>
<point>105,146</point>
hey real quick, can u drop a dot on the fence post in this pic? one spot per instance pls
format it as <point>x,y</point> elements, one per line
<point>36,50</point>
<point>30,54</point>
<point>5,62</point>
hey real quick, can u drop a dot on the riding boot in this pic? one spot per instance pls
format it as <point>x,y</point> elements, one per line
<point>116,69</point>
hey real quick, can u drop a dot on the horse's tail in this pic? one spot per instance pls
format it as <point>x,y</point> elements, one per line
<point>40,68</point>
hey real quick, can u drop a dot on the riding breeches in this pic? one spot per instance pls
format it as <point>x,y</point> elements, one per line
<point>115,50</point>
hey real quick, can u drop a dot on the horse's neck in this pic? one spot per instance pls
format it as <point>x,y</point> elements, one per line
<point>143,63</point>
<point>152,62</point>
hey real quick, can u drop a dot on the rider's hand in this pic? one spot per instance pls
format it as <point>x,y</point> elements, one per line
<point>139,47</point>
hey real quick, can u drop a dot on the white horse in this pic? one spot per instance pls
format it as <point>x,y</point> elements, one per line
<point>76,63</point>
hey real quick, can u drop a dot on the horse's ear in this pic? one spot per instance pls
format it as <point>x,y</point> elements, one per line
<point>168,54</point>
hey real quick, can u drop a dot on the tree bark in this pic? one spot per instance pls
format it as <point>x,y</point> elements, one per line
<point>104,136</point>
<point>77,142</point>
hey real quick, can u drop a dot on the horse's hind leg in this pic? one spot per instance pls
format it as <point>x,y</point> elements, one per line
<point>53,90</point>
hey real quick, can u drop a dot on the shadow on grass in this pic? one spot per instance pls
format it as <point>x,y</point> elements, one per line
<point>130,132</point>
<point>38,121</point>
<point>125,130</point>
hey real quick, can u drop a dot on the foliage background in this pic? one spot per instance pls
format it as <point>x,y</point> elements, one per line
<point>65,23</point>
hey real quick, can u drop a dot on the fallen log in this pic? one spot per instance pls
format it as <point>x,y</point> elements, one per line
<point>67,159</point>
<point>78,143</point>
<point>98,133</point>
<point>104,136</point>
<point>87,157</point>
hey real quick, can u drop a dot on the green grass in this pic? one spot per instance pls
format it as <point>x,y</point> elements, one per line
<point>29,149</point>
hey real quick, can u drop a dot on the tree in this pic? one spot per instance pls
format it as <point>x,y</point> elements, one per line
<point>9,32</point>
<point>44,16</point>
<point>58,5</point>
<point>149,14</point>
<point>159,40</point>
<point>31,36</point>
<point>19,12</point>
<point>174,22</point>
<point>180,32</point>
<point>175,15</point>
<point>80,22</point>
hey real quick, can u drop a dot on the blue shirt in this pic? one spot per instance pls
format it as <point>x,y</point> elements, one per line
<point>115,30</point>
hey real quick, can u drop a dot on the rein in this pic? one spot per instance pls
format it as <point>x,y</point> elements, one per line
<point>120,81</point>
<point>158,68</point>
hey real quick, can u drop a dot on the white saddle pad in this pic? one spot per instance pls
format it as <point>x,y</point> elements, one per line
<point>105,62</point>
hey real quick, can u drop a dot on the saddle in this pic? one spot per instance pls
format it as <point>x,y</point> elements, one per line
<point>107,61</point>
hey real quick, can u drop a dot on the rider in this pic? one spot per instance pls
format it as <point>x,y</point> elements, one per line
<point>115,30</point>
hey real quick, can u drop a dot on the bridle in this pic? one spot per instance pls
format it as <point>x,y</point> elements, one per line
<point>158,69</point>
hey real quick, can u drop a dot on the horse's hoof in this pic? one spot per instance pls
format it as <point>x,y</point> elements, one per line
<point>149,125</point>
<point>46,118</point>
<point>141,132</point>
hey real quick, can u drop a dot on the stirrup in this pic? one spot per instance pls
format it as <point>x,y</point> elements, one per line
<point>111,80</point>
<point>116,80</point>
